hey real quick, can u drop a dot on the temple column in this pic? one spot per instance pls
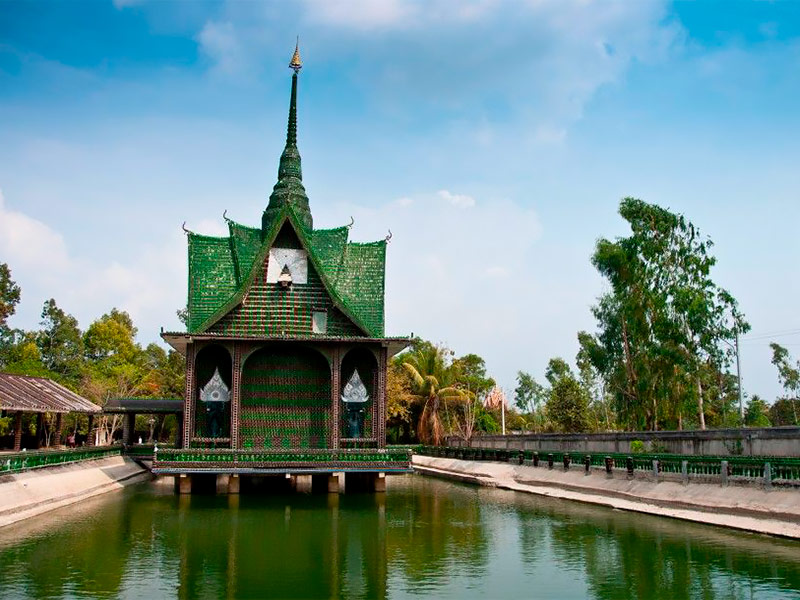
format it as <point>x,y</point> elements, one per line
<point>18,431</point>
<point>336,355</point>
<point>188,406</point>
<point>381,421</point>
<point>90,431</point>
<point>59,428</point>
<point>236,394</point>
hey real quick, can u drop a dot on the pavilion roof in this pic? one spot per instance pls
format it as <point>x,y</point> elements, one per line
<point>144,405</point>
<point>38,394</point>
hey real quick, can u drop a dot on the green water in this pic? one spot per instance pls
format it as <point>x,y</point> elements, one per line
<point>424,538</point>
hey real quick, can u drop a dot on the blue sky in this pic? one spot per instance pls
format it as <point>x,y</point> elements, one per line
<point>494,138</point>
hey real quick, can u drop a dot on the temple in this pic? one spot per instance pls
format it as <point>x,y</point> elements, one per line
<point>285,350</point>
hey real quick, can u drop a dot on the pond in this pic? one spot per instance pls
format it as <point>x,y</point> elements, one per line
<point>424,538</point>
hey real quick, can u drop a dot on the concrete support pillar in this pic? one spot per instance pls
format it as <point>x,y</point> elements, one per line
<point>128,426</point>
<point>17,431</point>
<point>223,481</point>
<point>723,472</point>
<point>233,484</point>
<point>333,483</point>
<point>685,472</point>
<point>90,431</point>
<point>184,484</point>
<point>302,483</point>
<point>767,477</point>
<point>59,428</point>
<point>655,470</point>
<point>379,482</point>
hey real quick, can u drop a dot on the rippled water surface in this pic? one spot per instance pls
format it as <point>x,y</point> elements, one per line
<point>424,538</point>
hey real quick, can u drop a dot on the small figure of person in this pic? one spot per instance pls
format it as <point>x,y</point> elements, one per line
<point>71,440</point>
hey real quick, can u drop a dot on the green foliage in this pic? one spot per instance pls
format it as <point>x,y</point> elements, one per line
<point>568,404</point>
<point>529,395</point>
<point>60,343</point>
<point>9,295</point>
<point>663,326</point>
<point>638,447</point>
<point>788,375</point>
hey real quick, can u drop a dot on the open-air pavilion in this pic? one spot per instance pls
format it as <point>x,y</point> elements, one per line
<point>130,407</point>
<point>21,394</point>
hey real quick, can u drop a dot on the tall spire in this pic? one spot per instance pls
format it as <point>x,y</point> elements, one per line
<point>289,188</point>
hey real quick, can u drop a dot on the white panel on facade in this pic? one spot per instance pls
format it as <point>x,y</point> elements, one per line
<point>296,260</point>
<point>319,321</point>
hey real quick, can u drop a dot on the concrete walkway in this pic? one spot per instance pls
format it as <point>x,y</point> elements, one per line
<point>32,493</point>
<point>775,513</point>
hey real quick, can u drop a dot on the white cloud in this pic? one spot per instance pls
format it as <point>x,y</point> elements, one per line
<point>42,265</point>
<point>362,14</point>
<point>221,44</point>
<point>457,200</point>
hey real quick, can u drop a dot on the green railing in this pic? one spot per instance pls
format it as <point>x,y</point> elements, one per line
<point>781,469</point>
<point>226,459</point>
<point>36,459</point>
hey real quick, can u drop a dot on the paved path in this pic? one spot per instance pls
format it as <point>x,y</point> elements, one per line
<point>32,493</point>
<point>775,513</point>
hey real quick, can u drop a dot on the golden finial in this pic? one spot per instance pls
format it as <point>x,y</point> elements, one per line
<point>295,63</point>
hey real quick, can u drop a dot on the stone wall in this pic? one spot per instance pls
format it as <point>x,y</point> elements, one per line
<point>768,441</point>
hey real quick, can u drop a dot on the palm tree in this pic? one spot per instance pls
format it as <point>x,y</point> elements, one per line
<point>431,378</point>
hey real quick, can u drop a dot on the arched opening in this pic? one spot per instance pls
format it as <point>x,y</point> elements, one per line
<point>285,399</point>
<point>212,419</point>
<point>353,424</point>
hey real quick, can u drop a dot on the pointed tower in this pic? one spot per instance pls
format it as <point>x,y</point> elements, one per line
<point>289,190</point>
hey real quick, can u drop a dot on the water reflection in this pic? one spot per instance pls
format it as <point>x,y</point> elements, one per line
<point>423,538</point>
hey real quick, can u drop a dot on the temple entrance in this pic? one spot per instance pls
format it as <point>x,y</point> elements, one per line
<point>356,426</point>
<point>212,409</point>
<point>285,399</point>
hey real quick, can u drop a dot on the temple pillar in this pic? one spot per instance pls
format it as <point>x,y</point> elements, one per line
<point>18,431</point>
<point>333,483</point>
<point>90,431</point>
<point>380,433</point>
<point>336,356</point>
<point>233,484</point>
<point>236,394</point>
<point>59,428</point>
<point>188,400</point>
<point>302,483</point>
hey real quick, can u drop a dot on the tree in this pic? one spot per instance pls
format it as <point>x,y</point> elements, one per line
<point>529,394</point>
<point>399,404</point>
<point>470,373</point>
<point>663,325</point>
<point>9,295</point>
<point>60,342</point>
<point>568,404</point>
<point>756,413</point>
<point>431,380</point>
<point>788,375</point>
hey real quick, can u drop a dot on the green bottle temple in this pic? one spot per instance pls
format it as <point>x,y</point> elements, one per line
<point>285,347</point>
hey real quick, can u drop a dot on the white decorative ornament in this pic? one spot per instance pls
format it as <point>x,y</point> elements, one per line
<point>295,260</point>
<point>215,390</point>
<point>355,391</point>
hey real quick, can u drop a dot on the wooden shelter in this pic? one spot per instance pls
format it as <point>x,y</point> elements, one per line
<point>21,393</point>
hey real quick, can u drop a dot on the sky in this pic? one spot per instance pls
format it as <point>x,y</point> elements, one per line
<point>494,138</point>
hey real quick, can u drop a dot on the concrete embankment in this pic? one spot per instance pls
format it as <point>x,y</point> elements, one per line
<point>775,512</point>
<point>32,493</point>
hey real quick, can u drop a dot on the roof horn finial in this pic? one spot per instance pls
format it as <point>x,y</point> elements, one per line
<point>296,64</point>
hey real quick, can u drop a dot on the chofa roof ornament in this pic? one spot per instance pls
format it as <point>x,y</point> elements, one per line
<point>215,390</point>
<point>355,392</point>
